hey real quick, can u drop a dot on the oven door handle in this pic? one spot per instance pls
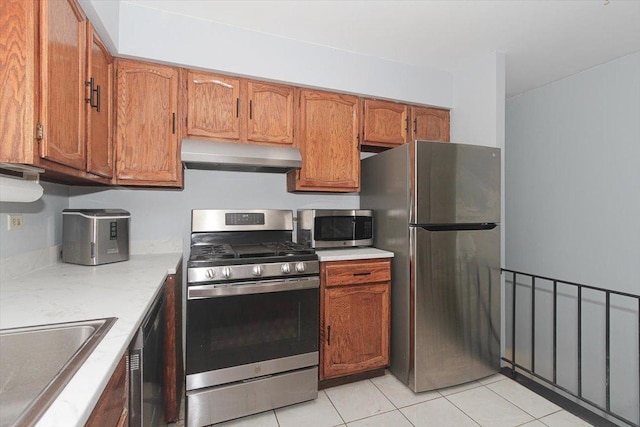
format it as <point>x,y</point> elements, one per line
<point>225,290</point>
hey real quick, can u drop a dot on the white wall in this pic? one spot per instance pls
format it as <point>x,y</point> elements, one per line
<point>176,39</point>
<point>160,217</point>
<point>572,210</point>
<point>36,245</point>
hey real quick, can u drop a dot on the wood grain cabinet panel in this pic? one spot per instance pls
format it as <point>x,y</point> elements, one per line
<point>112,407</point>
<point>430,124</point>
<point>213,106</point>
<point>327,136</point>
<point>147,143</point>
<point>49,52</point>
<point>100,110</point>
<point>62,90</point>
<point>386,124</point>
<point>270,113</point>
<point>355,317</point>
<point>173,386</point>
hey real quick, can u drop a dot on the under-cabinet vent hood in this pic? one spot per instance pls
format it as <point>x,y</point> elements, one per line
<point>237,156</point>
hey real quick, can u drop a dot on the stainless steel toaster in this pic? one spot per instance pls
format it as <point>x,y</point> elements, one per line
<point>95,236</point>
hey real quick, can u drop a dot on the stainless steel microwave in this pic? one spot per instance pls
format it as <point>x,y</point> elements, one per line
<point>329,228</point>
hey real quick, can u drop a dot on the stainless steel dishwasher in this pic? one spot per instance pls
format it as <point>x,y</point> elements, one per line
<point>146,364</point>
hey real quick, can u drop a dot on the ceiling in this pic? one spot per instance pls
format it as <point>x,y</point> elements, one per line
<point>543,41</point>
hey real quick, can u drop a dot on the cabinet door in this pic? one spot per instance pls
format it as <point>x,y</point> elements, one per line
<point>356,329</point>
<point>270,113</point>
<point>100,110</point>
<point>386,124</point>
<point>430,124</point>
<point>62,76</point>
<point>328,136</point>
<point>146,135</point>
<point>213,106</point>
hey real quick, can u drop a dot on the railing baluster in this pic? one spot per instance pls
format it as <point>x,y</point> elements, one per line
<point>579,341</point>
<point>555,331</point>
<point>515,367</point>
<point>608,350</point>
<point>513,328</point>
<point>533,324</point>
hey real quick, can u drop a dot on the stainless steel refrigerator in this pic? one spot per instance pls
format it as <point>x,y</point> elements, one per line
<point>437,207</point>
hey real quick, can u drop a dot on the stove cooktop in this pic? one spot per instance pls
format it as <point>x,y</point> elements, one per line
<point>226,254</point>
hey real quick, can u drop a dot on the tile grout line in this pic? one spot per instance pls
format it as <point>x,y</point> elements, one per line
<point>334,407</point>
<point>394,405</point>
<point>460,409</point>
<point>522,409</point>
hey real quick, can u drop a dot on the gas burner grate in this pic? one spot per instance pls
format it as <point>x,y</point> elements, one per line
<point>206,252</point>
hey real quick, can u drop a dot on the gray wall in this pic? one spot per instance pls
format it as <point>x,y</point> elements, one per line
<point>164,215</point>
<point>42,222</point>
<point>572,212</point>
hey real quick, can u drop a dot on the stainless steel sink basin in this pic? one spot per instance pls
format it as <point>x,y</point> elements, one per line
<point>37,362</point>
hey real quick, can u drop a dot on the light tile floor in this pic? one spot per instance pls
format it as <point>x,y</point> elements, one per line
<point>385,402</point>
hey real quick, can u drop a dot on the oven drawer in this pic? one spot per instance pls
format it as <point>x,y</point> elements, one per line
<point>340,273</point>
<point>235,400</point>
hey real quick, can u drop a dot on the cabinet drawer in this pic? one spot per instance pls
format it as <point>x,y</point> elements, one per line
<point>356,272</point>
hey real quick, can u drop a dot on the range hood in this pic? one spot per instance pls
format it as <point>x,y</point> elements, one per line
<point>237,156</point>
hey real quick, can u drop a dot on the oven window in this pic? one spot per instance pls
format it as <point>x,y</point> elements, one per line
<point>236,330</point>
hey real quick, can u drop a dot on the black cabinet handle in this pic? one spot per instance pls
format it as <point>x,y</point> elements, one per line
<point>237,107</point>
<point>173,123</point>
<point>250,110</point>
<point>97,99</point>
<point>328,335</point>
<point>415,125</point>
<point>93,103</point>
<point>362,274</point>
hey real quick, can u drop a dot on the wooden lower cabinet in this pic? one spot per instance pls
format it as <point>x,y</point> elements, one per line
<point>354,316</point>
<point>112,407</point>
<point>173,386</point>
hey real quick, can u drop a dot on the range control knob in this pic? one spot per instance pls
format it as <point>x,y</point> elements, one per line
<point>226,272</point>
<point>210,273</point>
<point>285,268</point>
<point>300,267</point>
<point>257,270</point>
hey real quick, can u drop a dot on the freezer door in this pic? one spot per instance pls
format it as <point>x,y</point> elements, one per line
<point>456,306</point>
<point>455,184</point>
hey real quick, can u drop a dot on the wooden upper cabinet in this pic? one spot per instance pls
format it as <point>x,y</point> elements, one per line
<point>270,113</point>
<point>386,124</point>
<point>213,106</point>
<point>430,124</point>
<point>62,32</point>
<point>17,71</point>
<point>100,109</point>
<point>50,52</point>
<point>147,133</point>
<point>327,136</point>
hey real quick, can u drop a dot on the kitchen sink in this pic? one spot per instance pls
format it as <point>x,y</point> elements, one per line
<point>37,362</point>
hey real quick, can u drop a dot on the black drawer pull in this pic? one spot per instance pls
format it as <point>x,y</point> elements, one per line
<point>362,274</point>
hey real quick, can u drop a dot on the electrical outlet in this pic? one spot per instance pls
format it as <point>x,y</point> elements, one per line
<point>14,222</point>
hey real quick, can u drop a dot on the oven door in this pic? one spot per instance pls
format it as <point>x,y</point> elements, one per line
<point>245,330</point>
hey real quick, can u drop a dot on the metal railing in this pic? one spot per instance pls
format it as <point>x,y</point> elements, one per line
<point>554,380</point>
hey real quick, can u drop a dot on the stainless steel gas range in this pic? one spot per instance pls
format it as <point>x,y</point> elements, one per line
<point>252,317</point>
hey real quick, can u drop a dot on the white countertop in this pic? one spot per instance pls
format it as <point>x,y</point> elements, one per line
<point>67,292</point>
<point>347,254</point>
